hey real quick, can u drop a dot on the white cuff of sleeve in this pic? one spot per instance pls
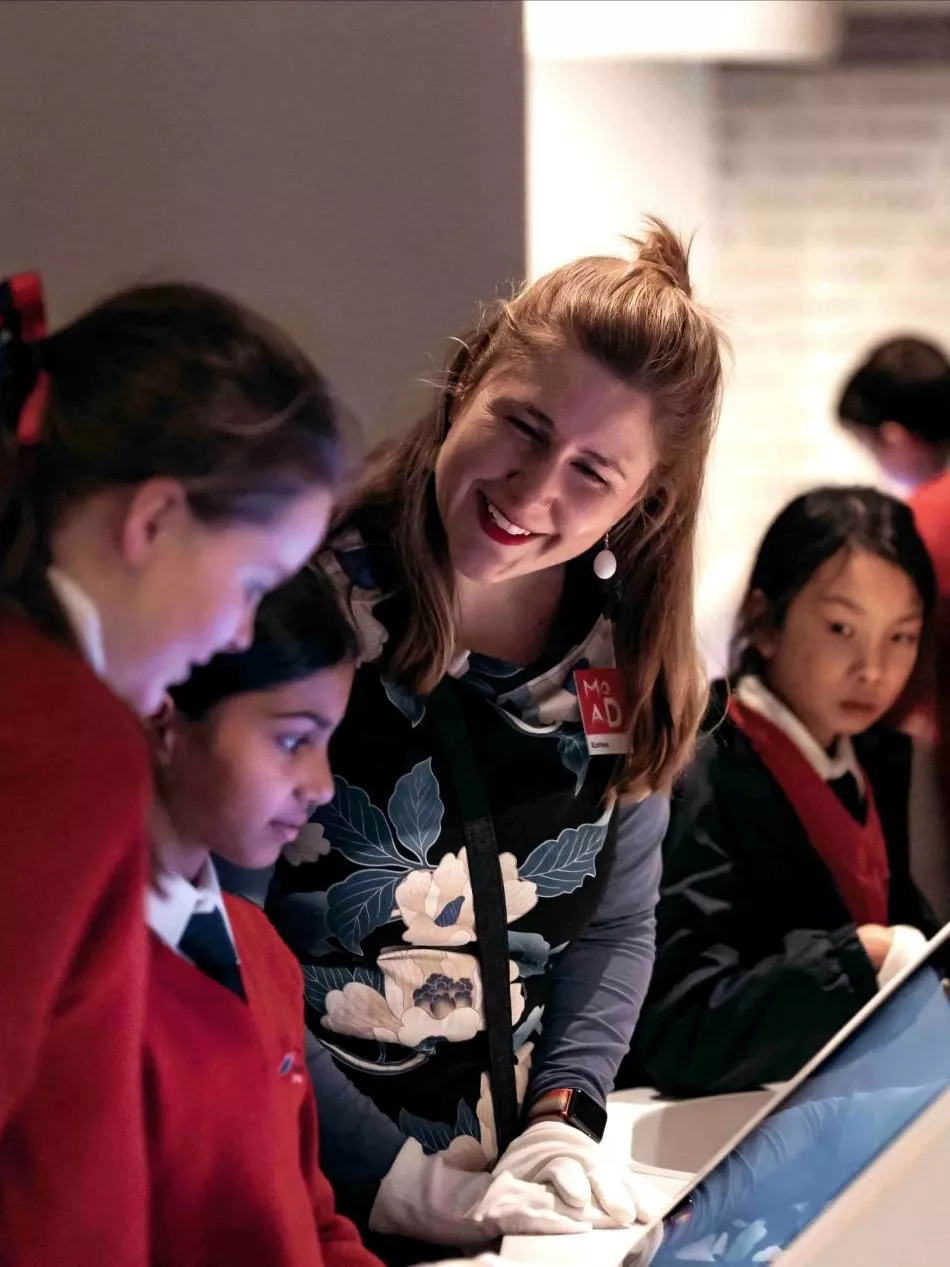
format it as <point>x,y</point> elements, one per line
<point>907,946</point>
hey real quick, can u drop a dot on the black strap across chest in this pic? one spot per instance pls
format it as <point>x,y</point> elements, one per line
<point>444,707</point>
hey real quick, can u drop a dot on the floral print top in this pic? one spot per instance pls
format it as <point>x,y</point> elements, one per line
<point>375,895</point>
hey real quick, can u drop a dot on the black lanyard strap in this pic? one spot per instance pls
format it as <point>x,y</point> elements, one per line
<point>444,707</point>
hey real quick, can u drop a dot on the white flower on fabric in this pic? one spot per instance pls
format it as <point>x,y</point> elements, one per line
<point>555,707</point>
<point>458,665</point>
<point>371,634</point>
<point>427,994</point>
<point>310,844</point>
<point>361,1011</point>
<point>549,700</point>
<point>599,648</point>
<point>437,906</point>
<point>435,995</point>
<point>521,896</point>
<point>469,1153</point>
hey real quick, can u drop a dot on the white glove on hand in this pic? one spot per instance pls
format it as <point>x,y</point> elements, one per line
<point>595,1187</point>
<point>428,1198</point>
<point>907,945</point>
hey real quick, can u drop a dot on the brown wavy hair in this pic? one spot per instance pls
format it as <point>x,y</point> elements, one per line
<point>639,320</point>
<point>171,380</point>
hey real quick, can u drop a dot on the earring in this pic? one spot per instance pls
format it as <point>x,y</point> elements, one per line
<point>605,562</point>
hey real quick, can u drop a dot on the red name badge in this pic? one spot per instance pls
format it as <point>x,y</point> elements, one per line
<point>600,695</point>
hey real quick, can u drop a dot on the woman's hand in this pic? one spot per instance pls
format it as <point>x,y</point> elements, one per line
<point>589,1183</point>
<point>426,1197</point>
<point>877,941</point>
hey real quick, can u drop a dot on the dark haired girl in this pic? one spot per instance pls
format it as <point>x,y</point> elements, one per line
<point>165,460</point>
<point>242,762</point>
<point>786,897</point>
<point>239,769</point>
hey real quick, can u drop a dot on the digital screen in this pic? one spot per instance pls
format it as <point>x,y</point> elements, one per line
<point>784,1173</point>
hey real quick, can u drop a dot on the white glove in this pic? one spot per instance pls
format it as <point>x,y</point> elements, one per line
<point>598,1188</point>
<point>428,1198</point>
<point>907,945</point>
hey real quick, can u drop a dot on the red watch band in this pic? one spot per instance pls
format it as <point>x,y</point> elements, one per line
<point>574,1107</point>
<point>553,1103</point>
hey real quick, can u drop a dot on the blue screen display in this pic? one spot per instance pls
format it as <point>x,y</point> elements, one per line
<point>781,1176</point>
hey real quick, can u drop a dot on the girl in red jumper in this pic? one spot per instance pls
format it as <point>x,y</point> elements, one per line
<point>787,897</point>
<point>231,1115</point>
<point>241,763</point>
<point>166,459</point>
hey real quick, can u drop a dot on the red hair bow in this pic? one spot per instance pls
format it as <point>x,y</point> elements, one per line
<point>27,321</point>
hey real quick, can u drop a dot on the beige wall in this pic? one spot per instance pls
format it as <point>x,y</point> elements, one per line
<point>832,223</point>
<point>356,168</point>
<point>609,141</point>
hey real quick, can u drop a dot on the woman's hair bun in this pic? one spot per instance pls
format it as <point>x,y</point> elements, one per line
<point>663,251</point>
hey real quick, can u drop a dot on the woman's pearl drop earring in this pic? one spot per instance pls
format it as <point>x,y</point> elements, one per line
<point>605,561</point>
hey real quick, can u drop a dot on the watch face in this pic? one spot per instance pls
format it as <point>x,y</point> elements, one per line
<point>586,1113</point>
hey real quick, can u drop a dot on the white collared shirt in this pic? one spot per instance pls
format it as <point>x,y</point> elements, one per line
<point>83,617</point>
<point>168,908</point>
<point>753,693</point>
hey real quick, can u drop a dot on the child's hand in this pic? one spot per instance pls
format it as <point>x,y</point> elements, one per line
<point>877,941</point>
<point>907,946</point>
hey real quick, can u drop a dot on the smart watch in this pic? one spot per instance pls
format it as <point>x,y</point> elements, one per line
<point>572,1106</point>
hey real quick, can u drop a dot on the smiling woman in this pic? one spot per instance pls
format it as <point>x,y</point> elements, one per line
<point>584,406</point>
<point>550,455</point>
<point>581,408</point>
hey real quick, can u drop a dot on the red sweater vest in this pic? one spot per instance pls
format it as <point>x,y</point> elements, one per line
<point>74,791</point>
<point>854,853</point>
<point>232,1118</point>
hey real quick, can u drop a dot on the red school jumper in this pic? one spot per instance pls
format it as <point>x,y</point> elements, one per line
<point>232,1119</point>
<point>74,791</point>
<point>931,506</point>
